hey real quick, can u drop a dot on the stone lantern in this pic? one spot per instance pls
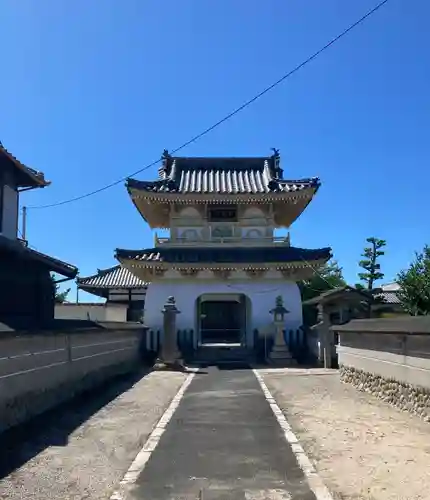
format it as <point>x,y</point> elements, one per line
<point>279,311</point>
<point>280,353</point>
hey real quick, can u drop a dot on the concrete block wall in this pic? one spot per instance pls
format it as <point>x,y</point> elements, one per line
<point>392,365</point>
<point>41,370</point>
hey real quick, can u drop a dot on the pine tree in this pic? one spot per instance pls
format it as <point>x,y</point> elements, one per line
<point>370,262</point>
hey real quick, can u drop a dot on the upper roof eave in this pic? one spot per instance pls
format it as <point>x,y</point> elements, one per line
<point>146,189</point>
<point>30,177</point>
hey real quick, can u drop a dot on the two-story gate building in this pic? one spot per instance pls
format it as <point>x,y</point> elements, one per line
<point>221,259</point>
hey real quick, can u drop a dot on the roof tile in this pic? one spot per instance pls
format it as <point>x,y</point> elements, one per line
<point>114,277</point>
<point>224,176</point>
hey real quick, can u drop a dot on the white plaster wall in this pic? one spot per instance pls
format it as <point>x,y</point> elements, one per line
<point>116,312</point>
<point>10,212</point>
<point>93,312</point>
<point>409,369</point>
<point>262,295</point>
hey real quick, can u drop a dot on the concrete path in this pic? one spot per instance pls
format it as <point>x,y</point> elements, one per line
<point>222,443</point>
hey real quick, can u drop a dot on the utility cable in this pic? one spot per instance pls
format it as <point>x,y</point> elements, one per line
<point>227,117</point>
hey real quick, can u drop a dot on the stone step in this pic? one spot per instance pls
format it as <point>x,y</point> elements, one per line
<point>224,353</point>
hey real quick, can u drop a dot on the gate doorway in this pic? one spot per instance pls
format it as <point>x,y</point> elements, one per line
<point>222,321</point>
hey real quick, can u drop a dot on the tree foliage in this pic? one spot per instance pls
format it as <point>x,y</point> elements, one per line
<point>414,282</point>
<point>328,277</point>
<point>372,268</point>
<point>60,297</point>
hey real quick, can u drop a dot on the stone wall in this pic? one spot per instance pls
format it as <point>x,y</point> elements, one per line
<point>39,370</point>
<point>389,358</point>
<point>408,397</point>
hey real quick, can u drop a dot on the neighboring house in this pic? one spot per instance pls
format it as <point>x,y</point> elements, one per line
<point>119,287</point>
<point>390,302</point>
<point>24,272</point>
<point>222,262</point>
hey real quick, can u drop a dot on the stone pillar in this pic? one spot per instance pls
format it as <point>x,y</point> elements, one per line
<point>325,335</point>
<point>170,355</point>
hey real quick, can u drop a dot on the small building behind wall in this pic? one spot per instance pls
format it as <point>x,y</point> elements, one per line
<point>121,289</point>
<point>336,306</point>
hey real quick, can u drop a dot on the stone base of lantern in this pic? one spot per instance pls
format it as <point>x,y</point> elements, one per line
<point>281,356</point>
<point>177,365</point>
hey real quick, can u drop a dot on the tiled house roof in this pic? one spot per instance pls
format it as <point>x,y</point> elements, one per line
<point>55,265</point>
<point>115,277</point>
<point>222,176</point>
<point>339,294</point>
<point>21,250</point>
<point>224,255</point>
<point>389,293</point>
<point>27,177</point>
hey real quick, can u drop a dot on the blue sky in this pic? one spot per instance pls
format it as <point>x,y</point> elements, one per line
<point>92,91</point>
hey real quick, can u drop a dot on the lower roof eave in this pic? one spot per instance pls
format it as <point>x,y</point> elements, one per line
<point>132,264</point>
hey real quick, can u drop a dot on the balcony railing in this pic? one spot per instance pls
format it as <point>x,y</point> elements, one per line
<point>225,240</point>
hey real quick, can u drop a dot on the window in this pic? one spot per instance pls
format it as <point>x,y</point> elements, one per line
<point>222,232</point>
<point>222,214</point>
<point>190,235</point>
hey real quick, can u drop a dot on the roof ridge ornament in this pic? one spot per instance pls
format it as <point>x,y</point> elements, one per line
<point>163,171</point>
<point>278,172</point>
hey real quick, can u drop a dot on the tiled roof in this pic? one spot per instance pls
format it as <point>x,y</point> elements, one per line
<point>55,265</point>
<point>341,293</point>
<point>22,250</point>
<point>390,297</point>
<point>114,277</point>
<point>222,175</point>
<point>389,293</point>
<point>28,176</point>
<point>224,255</point>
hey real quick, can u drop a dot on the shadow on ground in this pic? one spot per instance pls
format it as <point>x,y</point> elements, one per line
<point>20,444</point>
<point>226,365</point>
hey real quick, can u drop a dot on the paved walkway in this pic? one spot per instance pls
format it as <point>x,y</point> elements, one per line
<point>224,443</point>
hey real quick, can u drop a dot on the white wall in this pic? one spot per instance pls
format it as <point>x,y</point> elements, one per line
<point>262,295</point>
<point>410,369</point>
<point>10,212</point>
<point>93,312</point>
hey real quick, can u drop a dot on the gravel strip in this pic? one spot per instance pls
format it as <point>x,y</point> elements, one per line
<point>363,448</point>
<point>84,451</point>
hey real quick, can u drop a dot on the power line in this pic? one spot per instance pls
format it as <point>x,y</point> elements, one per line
<point>227,117</point>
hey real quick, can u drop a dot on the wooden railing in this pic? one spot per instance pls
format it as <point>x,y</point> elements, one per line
<point>231,240</point>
